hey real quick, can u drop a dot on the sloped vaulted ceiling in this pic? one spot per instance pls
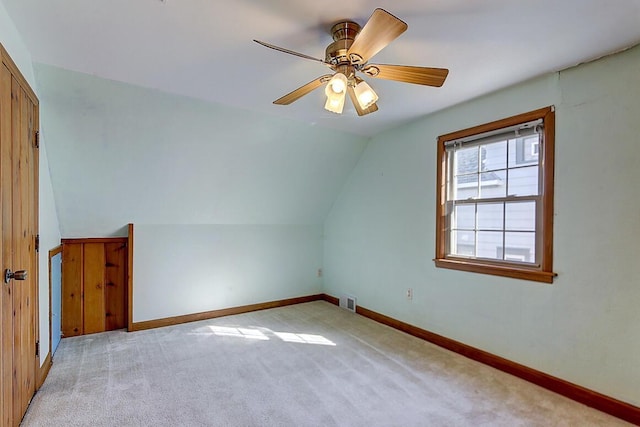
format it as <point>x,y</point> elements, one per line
<point>161,111</point>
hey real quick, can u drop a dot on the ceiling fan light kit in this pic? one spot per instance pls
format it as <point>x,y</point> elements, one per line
<point>349,54</point>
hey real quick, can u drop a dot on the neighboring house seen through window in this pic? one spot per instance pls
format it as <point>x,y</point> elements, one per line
<point>495,197</point>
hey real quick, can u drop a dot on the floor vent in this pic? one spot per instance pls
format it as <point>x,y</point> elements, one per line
<point>348,302</point>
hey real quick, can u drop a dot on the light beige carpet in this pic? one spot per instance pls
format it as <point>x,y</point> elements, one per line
<point>311,364</point>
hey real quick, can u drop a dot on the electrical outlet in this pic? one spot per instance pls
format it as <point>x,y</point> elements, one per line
<point>409,293</point>
<point>319,272</point>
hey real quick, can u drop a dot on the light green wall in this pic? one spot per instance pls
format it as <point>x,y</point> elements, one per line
<point>185,269</point>
<point>585,327</point>
<point>13,43</point>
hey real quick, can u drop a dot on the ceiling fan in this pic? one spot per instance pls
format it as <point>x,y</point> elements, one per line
<point>349,54</point>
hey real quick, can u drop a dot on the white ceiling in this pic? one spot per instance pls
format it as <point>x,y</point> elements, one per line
<point>204,48</point>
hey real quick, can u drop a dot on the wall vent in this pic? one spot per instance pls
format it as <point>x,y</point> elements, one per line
<point>348,302</point>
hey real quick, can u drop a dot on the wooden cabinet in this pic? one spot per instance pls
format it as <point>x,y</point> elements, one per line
<point>94,285</point>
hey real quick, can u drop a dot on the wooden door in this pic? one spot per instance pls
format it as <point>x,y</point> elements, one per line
<point>18,197</point>
<point>6,294</point>
<point>24,292</point>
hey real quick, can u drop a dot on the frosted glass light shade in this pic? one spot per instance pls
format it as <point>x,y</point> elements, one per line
<point>336,92</point>
<point>365,95</point>
<point>337,85</point>
<point>335,102</point>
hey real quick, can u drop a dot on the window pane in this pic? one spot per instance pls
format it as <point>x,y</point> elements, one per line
<point>464,243</point>
<point>466,160</point>
<point>521,216</point>
<point>493,184</point>
<point>489,244</point>
<point>466,187</point>
<point>465,217</point>
<point>490,216</point>
<point>523,181</point>
<point>524,151</point>
<point>520,247</point>
<point>494,156</point>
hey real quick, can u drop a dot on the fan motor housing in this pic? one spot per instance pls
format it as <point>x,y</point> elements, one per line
<point>343,33</point>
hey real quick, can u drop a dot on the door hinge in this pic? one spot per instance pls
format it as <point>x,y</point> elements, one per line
<point>37,243</point>
<point>37,139</point>
<point>37,348</point>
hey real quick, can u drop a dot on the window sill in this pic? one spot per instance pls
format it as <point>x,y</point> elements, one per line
<point>496,270</point>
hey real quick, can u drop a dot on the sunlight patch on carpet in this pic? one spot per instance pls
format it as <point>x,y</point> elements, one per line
<point>304,338</point>
<point>262,334</point>
<point>252,334</point>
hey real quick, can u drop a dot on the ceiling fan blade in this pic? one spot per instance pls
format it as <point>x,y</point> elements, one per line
<point>403,73</point>
<point>354,99</point>
<point>303,90</point>
<point>381,29</point>
<point>290,52</point>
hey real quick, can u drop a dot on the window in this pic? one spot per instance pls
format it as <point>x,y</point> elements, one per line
<point>495,198</point>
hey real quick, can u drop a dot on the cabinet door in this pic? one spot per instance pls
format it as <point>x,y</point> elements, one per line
<point>94,285</point>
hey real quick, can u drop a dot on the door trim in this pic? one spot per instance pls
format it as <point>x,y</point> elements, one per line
<point>130,277</point>
<point>43,370</point>
<point>53,252</point>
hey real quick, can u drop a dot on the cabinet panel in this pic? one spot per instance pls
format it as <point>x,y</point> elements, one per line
<point>115,281</point>
<point>94,306</point>
<point>72,306</point>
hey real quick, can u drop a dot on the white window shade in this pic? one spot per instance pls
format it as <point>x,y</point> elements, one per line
<point>512,132</point>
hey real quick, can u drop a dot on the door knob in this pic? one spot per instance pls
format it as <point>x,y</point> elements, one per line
<point>18,275</point>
